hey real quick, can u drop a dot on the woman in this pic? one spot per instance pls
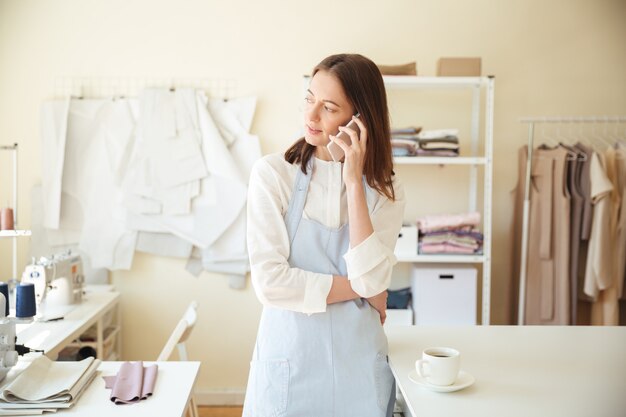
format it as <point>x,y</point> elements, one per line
<point>321,236</point>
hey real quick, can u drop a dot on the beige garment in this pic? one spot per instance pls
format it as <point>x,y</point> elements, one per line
<point>547,281</point>
<point>605,311</point>
<point>598,274</point>
<point>620,229</point>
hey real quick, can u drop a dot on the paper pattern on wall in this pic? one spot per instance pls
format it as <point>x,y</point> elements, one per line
<point>172,166</point>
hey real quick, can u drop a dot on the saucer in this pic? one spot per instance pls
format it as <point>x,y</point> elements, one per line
<point>464,380</point>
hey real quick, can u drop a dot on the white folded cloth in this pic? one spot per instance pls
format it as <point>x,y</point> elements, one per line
<point>49,382</point>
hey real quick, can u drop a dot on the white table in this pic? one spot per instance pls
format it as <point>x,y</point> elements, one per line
<point>519,370</point>
<point>173,388</point>
<point>53,336</point>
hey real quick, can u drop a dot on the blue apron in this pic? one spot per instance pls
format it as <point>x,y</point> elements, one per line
<point>331,364</point>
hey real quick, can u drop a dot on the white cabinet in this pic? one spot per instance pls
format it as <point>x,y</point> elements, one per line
<point>473,167</point>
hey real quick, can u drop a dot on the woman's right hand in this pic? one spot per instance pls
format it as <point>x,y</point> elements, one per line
<point>379,302</point>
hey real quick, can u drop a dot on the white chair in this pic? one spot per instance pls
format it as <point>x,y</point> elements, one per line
<point>177,339</point>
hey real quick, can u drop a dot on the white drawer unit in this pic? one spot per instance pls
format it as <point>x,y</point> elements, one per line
<point>444,295</point>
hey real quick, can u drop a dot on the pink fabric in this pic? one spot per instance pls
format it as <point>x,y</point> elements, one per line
<point>448,221</point>
<point>445,248</point>
<point>132,383</point>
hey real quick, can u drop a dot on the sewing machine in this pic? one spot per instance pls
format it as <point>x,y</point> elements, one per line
<point>58,282</point>
<point>9,351</point>
<point>8,354</point>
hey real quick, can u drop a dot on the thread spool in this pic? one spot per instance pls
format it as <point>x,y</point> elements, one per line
<point>4,290</point>
<point>25,305</point>
<point>6,219</point>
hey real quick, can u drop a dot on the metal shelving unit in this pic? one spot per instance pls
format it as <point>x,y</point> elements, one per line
<point>14,234</point>
<point>473,162</point>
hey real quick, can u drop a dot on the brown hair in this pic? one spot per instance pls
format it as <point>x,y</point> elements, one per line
<point>364,88</point>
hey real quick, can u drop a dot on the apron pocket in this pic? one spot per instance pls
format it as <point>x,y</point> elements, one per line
<point>384,381</point>
<point>271,386</point>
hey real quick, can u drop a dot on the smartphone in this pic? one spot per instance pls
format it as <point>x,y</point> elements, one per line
<point>335,150</point>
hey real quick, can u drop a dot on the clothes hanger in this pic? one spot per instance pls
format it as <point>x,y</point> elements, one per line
<point>563,143</point>
<point>597,137</point>
<point>581,156</point>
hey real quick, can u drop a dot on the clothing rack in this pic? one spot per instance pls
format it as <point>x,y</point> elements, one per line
<point>532,121</point>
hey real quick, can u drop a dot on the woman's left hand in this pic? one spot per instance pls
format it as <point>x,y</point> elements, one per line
<point>355,152</point>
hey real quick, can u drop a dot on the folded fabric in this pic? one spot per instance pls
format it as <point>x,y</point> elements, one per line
<point>449,142</point>
<point>443,139</point>
<point>445,248</point>
<point>398,151</point>
<point>437,152</point>
<point>404,147</point>
<point>406,130</point>
<point>50,383</point>
<point>447,221</point>
<point>465,242</point>
<point>132,383</point>
<point>460,233</point>
<point>399,299</point>
<point>439,133</point>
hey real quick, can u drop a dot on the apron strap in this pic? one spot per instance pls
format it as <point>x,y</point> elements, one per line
<point>298,198</point>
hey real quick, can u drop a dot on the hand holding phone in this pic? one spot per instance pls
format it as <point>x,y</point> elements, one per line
<point>335,150</point>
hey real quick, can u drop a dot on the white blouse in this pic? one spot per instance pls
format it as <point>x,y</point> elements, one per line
<point>275,282</point>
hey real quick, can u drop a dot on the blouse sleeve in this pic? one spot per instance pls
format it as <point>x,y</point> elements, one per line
<point>370,263</point>
<point>275,282</point>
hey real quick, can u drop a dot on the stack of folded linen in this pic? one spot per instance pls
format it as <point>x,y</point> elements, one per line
<point>46,386</point>
<point>415,142</point>
<point>450,233</point>
<point>442,142</point>
<point>405,141</point>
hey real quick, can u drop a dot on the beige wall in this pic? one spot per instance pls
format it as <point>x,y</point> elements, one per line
<point>549,58</point>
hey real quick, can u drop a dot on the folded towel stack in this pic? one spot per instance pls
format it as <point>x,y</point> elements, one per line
<point>415,142</point>
<point>450,233</point>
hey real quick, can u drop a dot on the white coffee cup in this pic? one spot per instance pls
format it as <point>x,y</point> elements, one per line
<point>439,365</point>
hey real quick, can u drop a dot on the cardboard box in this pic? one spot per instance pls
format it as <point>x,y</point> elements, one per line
<point>459,67</point>
<point>403,69</point>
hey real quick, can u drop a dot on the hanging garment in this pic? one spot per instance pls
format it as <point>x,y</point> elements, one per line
<point>598,275</point>
<point>95,129</point>
<point>40,245</point>
<point>163,244</point>
<point>605,309</point>
<point>585,188</point>
<point>547,280</point>
<point>333,363</point>
<point>167,162</point>
<point>233,117</point>
<point>583,308</point>
<point>575,160</point>
<point>222,193</point>
<point>53,117</point>
<point>620,228</point>
<point>230,247</point>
